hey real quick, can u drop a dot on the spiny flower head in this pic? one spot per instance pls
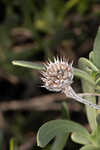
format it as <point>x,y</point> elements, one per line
<point>57,75</point>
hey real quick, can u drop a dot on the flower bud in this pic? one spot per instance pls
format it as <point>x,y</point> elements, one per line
<point>57,74</point>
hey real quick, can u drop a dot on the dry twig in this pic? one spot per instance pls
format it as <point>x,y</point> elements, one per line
<point>42,103</point>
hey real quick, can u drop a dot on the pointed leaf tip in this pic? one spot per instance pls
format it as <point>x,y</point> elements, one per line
<point>27,64</point>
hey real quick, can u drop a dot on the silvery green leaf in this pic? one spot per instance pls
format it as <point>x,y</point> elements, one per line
<point>28,64</point>
<point>53,128</point>
<point>79,138</point>
<point>96,50</point>
<point>89,147</point>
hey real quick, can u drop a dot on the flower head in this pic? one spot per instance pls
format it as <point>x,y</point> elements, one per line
<point>57,75</point>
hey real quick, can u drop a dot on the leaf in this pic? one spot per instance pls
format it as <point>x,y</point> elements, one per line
<point>60,141</point>
<point>91,54</point>
<point>89,147</point>
<point>85,63</point>
<point>91,112</point>
<point>98,81</point>
<point>98,119</point>
<point>53,128</point>
<point>83,75</point>
<point>96,50</point>
<point>28,64</point>
<point>79,138</point>
<point>87,87</point>
<point>96,134</point>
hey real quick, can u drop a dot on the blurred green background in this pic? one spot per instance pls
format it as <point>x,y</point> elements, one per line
<point>34,30</point>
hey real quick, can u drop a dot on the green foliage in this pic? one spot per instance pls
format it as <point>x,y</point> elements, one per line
<point>53,128</point>
<point>28,65</point>
<point>92,68</point>
<point>60,141</point>
<point>78,138</point>
<point>83,63</point>
<point>89,147</point>
<point>96,50</point>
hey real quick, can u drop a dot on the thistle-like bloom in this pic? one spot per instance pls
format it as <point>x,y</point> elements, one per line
<point>58,77</point>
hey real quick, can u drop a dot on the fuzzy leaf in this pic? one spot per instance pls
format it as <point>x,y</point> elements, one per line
<point>98,81</point>
<point>83,75</point>
<point>60,141</point>
<point>91,112</point>
<point>96,50</point>
<point>96,134</point>
<point>91,55</point>
<point>28,64</point>
<point>53,128</point>
<point>89,147</point>
<point>79,138</point>
<point>86,65</point>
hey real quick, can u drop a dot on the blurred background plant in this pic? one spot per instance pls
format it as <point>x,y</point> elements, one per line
<point>35,30</point>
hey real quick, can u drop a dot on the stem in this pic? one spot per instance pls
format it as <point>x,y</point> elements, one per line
<point>69,92</point>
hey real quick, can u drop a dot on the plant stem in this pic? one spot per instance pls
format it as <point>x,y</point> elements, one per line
<point>69,92</point>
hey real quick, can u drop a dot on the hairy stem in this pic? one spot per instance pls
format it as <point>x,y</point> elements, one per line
<point>69,92</point>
